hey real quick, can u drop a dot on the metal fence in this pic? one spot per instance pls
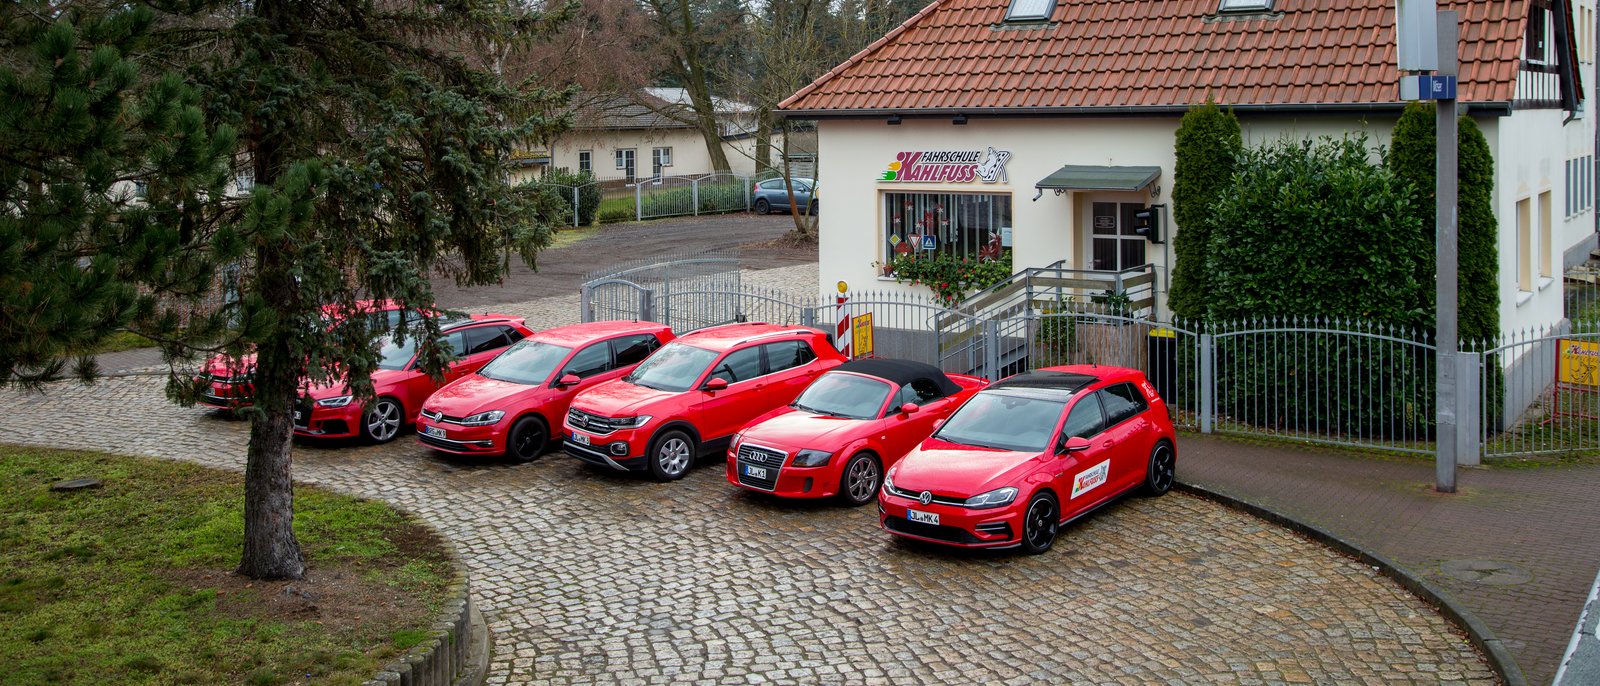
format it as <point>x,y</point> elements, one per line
<point>635,290</point>
<point>659,196</point>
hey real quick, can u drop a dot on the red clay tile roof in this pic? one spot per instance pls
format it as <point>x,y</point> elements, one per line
<point>959,55</point>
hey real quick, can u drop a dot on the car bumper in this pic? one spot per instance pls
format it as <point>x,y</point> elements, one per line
<point>602,458</point>
<point>461,440</point>
<point>328,422</point>
<point>958,526</point>
<point>225,396</point>
<point>792,482</point>
<point>622,449</point>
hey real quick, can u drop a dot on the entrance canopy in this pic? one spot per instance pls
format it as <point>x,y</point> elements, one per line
<point>1076,177</point>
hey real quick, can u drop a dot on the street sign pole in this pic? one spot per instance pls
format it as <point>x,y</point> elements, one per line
<point>1446,341</point>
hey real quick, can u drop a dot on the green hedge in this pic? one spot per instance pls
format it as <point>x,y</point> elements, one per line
<point>1207,144</point>
<point>559,181</point>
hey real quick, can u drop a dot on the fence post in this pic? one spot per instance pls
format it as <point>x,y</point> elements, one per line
<point>647,305</point>
<point>808,317</point>
<point>638,201</point>
<point>694,195</point>
<point>1208,381</point>
<point>585,307</point>
<point>1469,408</point>
<point>991,349</point>
<point>746,184</point>
<point>575,223</point>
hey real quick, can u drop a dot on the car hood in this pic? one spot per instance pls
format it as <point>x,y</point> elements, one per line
<point>619,398</point>
<point>472,394</point>
<point>382,380</point>
<point>798,430</point>
<point>959,470</point>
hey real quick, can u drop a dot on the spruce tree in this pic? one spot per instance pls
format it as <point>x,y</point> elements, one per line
<point>106,168</point>
<point>378,136</point>
<point>1207,143</point>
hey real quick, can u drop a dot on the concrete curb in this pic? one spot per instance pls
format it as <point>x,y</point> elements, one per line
<point>456,650</point>
<point>1482,637</point>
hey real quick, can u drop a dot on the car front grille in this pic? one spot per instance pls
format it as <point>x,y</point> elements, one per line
<point>765,458</point>
<point>936,532</point>
<point>917,496</point>
<point>440,417</point>
<point>589,422</point>
<point>302,413</point>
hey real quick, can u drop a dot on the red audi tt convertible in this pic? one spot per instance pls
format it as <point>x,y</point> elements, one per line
<point>1029,454</point>
<point>845,429</point>
<point>510,405</point>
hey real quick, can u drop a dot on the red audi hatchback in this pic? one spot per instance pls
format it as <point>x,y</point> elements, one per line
<point>509,406</point>
<point>1029,454</point>
<point>689,397</point>
<point>330,410</point>
<point>845,429</point>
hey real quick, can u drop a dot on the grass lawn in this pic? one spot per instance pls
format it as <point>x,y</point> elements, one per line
<point>130,583</point>
<point>120,341</point>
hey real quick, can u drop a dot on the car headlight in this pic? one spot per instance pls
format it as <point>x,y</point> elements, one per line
<point>483,418</point>
<point>812,458</point>
<point>994,498</point>
<point>888,480</point>
<point>336,401</point>
<point>629,422</point>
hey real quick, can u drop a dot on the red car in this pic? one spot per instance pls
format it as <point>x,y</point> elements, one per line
<point>848,425</point>
<point>227,380</point>
<point>509,406</point>
<point>330,411</point>
<point>1030,453</point>
<point>689,397</point>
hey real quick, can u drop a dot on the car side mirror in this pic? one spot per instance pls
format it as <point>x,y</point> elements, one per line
<point>716,384</point>
<point>568,380</point>
<point>909,408</point>
<point>1074,444</point>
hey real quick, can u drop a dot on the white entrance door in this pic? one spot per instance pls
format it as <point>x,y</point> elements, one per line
<point>1113,245</point>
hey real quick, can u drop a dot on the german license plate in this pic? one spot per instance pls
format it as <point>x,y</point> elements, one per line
<point>433,431</point>
<point>580,439</point>
<point>755,472</point>
<point>922,517</point>
<point>299,416</point>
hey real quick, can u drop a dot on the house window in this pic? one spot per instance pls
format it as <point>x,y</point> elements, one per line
<point>663,156</point>
<point>1525,245</point>
<point>1114,244</point>
<point>245,181</point>
<point>1030,10</point>
<point>586,161</point>
<point>625,163</point>
<point>965,225</point>
<point>1546,207</point>
<point>1245,6</point>
<point>141,189</point>
<point>1536,40</point>
<point>1580,197</point>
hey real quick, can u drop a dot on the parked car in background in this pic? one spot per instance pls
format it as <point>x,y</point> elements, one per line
<point>771,195</point>
<point>227,382</point>
<point>690,396</point>
<point>331,410</point>
<point>845,429</point>
<point>510,405</point>
<point>1030,453</point>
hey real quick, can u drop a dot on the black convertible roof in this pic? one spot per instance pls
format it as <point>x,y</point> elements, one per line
<point>1066,382</point>
<point>901,372</point>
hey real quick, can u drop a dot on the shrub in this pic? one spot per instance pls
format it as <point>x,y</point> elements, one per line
<point>560,181</point>
<point>1206,144</point>
<point>950,277</point>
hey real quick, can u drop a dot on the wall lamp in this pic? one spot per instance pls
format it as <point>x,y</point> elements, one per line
<point>959,120</point>
<point>894,120</point>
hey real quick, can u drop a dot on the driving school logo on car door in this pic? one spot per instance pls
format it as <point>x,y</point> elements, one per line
<point>1089,478</point>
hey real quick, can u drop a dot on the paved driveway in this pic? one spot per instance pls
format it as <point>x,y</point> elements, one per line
<point>587,577</point>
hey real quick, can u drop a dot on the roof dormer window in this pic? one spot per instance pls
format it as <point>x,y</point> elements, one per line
<point>1245,6</point>
<point>1030,10</point>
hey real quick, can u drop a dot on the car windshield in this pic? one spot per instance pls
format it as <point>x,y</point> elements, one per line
<point>528,362</point>
<point>395,356</point>
<point>845,395</point>
<point>1004,420</point>
<point>672,368</point>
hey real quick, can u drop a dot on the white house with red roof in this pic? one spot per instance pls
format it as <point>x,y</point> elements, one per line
<point>1048,126</point>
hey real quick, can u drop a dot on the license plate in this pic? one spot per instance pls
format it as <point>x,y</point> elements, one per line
<point>298,416</point>
<point>580,439</point>
<point>922,517</point>
<point>433,431</point>
<point>755,472</point>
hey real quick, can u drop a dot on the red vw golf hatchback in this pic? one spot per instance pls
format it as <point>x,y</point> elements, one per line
<point>330,411</point>
<point>509,406</point>
<point>845,429</point>
<point>1030,453</point>
<point>689,397</point>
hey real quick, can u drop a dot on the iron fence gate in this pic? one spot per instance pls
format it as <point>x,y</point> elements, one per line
<point>1168,355</point>
<point>1540,394</point>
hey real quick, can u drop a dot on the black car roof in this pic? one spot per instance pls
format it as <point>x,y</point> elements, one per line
<point>901,372</point>
<point>1063,384</point>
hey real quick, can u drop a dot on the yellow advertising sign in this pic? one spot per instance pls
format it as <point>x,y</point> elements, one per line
<point>862,326</point>
<point>1578,362</point>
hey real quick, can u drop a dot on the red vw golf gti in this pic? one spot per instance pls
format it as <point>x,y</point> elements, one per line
<point>509,406</point>
<point>1031,453</point>
<point>330,411</point>
<point>845,429</point>
<point>689,397</point>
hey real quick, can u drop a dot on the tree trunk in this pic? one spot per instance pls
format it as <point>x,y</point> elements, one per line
<point>694,80</point>
<point>802,223</point>
<point>763,139</point>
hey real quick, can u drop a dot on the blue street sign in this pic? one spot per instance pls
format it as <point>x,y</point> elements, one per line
<point>1427,87</point>
<point>930,242</point>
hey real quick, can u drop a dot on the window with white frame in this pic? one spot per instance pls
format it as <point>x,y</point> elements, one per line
<point>1546,235</point>
<point>1580,184</point>
<point>1525,245</point>
<point>661,157</point>
<point>1030,10</point>
<point>586,161</point>
<point>245,180</point>
<point>625,163</point>
<point>1245,6</point>
<point>964,225</point>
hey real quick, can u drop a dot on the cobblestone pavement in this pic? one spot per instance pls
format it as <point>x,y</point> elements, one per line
<point>587,577</point>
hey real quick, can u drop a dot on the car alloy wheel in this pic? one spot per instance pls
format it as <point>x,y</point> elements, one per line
<point>382,422</point>
<point>861,480</point>
<point>1163,468</point>
<point>1039,524</point>
<point>673,454</point>
<point>762,206</point>
<point>527,440</point>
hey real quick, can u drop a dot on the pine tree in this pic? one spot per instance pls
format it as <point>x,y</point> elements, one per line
<point>105,171</point>
<point>378,136</point>
<point>1207,142</point>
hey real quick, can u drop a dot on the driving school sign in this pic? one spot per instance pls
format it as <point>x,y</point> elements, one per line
<point>948,166</point>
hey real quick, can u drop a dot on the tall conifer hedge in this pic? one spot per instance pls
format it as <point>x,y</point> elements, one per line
<point>1208,141</point>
